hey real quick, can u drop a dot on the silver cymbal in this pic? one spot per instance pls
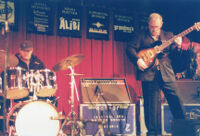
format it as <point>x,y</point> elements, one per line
<point>69,61</point>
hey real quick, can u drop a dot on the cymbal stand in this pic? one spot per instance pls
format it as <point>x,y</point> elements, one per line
<point>5,92</point>
<point>72,114</point>
<point>7,63</point>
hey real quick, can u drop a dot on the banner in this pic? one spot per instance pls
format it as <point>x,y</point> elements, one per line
<point>123,26</point>
<point>39,17</point>
<point>8,13</point>
<point>69,21</point>
<point>98,24</point>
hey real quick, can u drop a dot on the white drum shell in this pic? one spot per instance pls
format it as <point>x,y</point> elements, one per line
<point>34,119</point>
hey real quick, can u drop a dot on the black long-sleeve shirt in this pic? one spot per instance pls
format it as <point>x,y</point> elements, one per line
<point>35,63</point>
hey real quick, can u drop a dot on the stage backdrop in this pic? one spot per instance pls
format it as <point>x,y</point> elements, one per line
<point>103,59</point>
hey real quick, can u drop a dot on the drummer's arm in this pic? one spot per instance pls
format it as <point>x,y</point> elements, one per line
<point>2,79</point>
<point>42,66</point>
<point>39,64</point>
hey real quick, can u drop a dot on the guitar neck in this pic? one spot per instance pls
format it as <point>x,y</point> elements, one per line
<point>167,43</point>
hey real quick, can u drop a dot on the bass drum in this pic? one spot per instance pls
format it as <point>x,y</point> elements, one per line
<point>33,119</point>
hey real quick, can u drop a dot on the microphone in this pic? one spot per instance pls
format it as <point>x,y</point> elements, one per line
<point>6,26</point>
<point>96,90</point>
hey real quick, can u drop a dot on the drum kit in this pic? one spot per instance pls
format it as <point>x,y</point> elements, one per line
<point>36,117</point>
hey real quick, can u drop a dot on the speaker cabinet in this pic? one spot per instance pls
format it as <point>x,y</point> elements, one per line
<point>189,91</point>
<point>119,119</point>
<point>192,114</point>
<point>104,90</point>
<point>187,127</point>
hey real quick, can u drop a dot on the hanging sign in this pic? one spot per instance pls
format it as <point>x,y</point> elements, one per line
<point>98,24</point>
<point>39,17</point>
<point>69,21</point>
<point>8,12</point>
<point>123,26</point>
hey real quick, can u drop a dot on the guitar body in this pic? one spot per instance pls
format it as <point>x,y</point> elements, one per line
<point>149,57</point>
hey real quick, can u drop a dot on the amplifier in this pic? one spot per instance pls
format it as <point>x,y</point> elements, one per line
<point>192,112</point>
<point>189,91</point>
<point>118,118</point>
<point>104,90</point>
<point>186,127</point>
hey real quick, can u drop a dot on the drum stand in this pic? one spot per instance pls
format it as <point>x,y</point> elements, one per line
<point>34,86</point>
<point>7,64</point>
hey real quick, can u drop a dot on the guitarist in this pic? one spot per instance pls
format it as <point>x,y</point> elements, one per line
<point>160,77</point>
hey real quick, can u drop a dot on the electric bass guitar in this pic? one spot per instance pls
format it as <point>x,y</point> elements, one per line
<point>149,55</point>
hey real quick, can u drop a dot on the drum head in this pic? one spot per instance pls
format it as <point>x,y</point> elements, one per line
<point>17,93</point>
<point>46,92</point>
<point>33,119</point>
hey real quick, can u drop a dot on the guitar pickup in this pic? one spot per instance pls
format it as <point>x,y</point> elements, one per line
<point>157,49</point>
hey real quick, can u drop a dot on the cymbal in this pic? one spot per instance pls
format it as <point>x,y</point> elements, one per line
<point>75,74</point>
<point>13,61</point>
<point>69,61</point>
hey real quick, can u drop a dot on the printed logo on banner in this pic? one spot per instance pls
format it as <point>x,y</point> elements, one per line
<point>98,24</point>
<point>40,17</point>
<point>69,21</point>
<point>123,26</point>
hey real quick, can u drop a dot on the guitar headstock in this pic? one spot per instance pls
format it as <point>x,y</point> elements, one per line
<point>197,26</point>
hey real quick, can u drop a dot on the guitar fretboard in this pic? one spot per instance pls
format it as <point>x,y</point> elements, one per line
<point>167,43</point>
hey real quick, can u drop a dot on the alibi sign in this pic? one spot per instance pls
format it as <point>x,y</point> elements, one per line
<point>69,21</point>
<point>73,24</point>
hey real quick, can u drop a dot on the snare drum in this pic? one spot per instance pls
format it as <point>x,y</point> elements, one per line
<point>48,86</point>
<point>16,83</point>
<point>33,118</point>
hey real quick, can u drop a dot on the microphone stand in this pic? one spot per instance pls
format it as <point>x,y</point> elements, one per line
<point>99,121</point>
<point>108,133</point>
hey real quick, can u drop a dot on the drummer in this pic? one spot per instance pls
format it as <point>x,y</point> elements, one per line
<point>28,61</point>
<point>26,58</point>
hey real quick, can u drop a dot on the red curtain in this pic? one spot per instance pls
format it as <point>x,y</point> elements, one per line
<point>103,59</point>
